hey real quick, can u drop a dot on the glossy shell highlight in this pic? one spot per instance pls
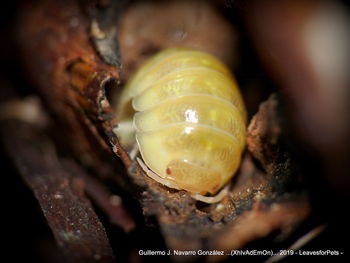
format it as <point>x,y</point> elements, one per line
<point>185,112</point>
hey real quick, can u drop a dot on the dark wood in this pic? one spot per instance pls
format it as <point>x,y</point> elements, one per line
<point>70,215</point>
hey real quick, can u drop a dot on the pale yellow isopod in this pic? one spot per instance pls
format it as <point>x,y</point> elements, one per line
<point>184,112</point>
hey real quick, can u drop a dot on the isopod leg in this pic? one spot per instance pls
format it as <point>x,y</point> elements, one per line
<point>212,199</point>
<point>156,177</point>
<point>134,151</point>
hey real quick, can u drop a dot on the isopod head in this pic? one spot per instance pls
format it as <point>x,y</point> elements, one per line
<point>185,113</point>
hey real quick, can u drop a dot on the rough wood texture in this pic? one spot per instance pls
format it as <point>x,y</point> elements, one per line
<point>110,204</point>
<point>69,74</point>
<point>70,215</point>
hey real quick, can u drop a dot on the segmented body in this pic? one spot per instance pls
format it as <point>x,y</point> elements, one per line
<point>186,113</point>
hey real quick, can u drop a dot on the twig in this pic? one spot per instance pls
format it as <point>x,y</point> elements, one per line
<point>109,203</point>
<point>75,226</point>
